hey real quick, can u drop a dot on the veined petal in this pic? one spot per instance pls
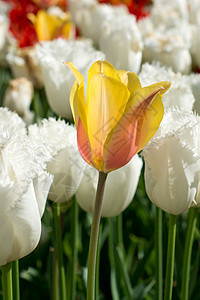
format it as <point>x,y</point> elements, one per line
<point>107,99</point>
<point>140,121</point>
<point>130,79</point>
<point>103,67</point>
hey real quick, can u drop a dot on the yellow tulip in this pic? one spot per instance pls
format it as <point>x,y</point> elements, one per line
<point>118,118</point>
<point>49,27</point>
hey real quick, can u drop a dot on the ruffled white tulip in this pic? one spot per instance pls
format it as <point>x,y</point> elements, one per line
<point>90,17</point>
<point>181,93</point>
<point>24,186</point>
<point>121,42</point>
<point>18,97</point>
<point>24,63</point>
<point>58,79</point>
<point>174,11</point>
<point>66,164</point>
<point>119,190</point>
<point>170,49</point>
<point>172,162</point>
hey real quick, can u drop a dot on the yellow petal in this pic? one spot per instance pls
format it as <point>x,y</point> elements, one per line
<point>74,102</point>
<point>146,106</point>
<point>44,26</point>
<point>77,97</point>
<point>77,74</point>
<point>32,18</point>
<point>104,67</point>
<point>107,98</point>
<point>130,79</point>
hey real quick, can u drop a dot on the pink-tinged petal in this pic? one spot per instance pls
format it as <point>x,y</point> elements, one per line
<point>84,144</point>
<point>107,99</point>
<point>140,121</point>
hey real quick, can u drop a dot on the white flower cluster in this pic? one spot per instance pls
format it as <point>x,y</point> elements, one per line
<point>171,34</point>
<point>66,163</point>
<point>24,187</point>
<point>112,29</point>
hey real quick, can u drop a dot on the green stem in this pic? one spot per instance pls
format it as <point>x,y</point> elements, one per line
<point>119,233</point>
<point>74,236</point>
<point>170,257</point>
<point>7,281</point>
<point>94,237</point>
<point>97,265</point>
<point>59,252</point>
<point>15,278</point>
<point>159,264</point>
<point>192,219</point>
<point>113,277</point>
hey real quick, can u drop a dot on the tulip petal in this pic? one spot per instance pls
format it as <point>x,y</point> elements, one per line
<point>45,26</point>
<point>84,144</point>
<point>107,99</point>
<point>130,79</point>
<point>77,74</point>
<point>103,67</point>
<point>140,121</point>
<point>77,97</point>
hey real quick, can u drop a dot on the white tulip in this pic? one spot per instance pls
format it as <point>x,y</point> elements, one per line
<point>58,78</point>
<point>174,12</point>
<point>180,94</point>
<point>121,42</point>
<point>172,162</point>
<point>24,63</point>
<point>90,17</point>
<point>18,97</point>
<point>120,188</point>
<point>170,49</point>
<point>24,186</point>
<point>66,164</point>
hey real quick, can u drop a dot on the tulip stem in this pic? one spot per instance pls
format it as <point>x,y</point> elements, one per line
<point>7,282</point>
<point>74,236</point>
<point>94,237</point>
<point>59,252</point>
<point>170,257</point>
<point>15,277</point>
<point>159,263</point>
<point>192,219</point>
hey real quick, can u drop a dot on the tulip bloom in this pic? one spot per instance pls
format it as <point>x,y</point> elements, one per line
<point>174,187</point>
<point>119,190</point>
<point>49,27</point>
<point>65,163</point>
<point>24,187</point>
<point>119,117</point>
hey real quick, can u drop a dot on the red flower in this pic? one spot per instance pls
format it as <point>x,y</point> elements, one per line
<point>20,26</point>
<point>135,7</point>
